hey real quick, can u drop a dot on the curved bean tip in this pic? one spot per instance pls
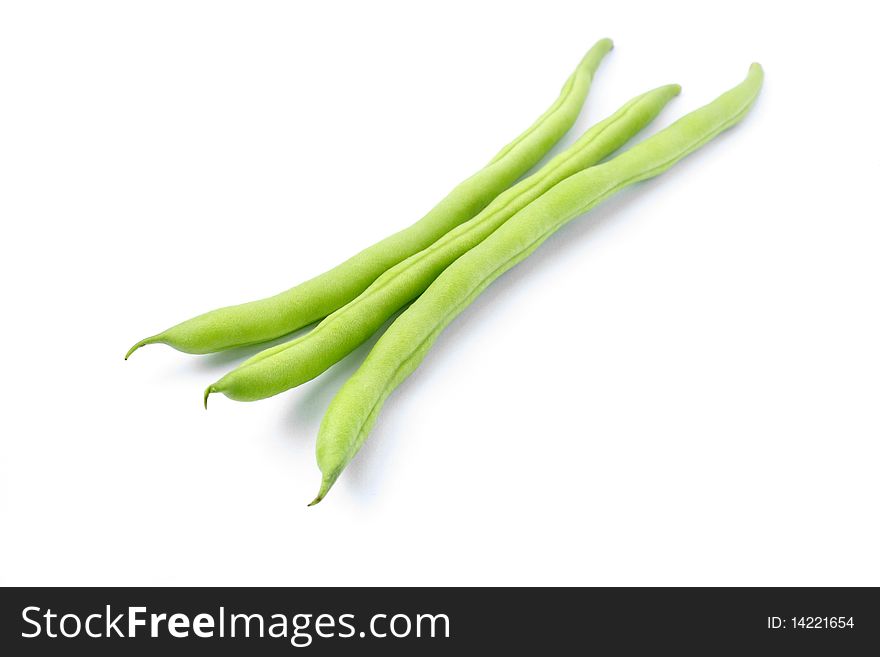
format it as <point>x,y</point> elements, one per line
<point>134,348</point>
<point>153,339</point>
<point>208,391</point>
<point>326,484</point>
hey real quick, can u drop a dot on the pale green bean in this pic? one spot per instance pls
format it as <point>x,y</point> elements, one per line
<point>270,318</point>
<point>287,365</point>
<point>399,351</point>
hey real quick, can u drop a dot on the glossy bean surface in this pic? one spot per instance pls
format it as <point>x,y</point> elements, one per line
<point>272,317</point>
<point>399,351</point>
<point>290,364</point>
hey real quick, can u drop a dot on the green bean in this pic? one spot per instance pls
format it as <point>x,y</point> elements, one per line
<point>287,365</point>
<point>272,317</point>
<point>401,349</point>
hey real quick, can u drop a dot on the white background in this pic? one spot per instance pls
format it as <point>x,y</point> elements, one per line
<point>680,388</point>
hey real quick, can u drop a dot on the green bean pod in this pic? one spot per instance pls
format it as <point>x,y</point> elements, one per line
<point>399,351</point>
<point>272,317</point>
<point>285,366</point>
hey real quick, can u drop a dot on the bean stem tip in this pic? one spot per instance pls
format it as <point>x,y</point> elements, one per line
<point>134,348</point>
<point>326,483</point>
<point>208,391</point>
<point>153,339</point>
